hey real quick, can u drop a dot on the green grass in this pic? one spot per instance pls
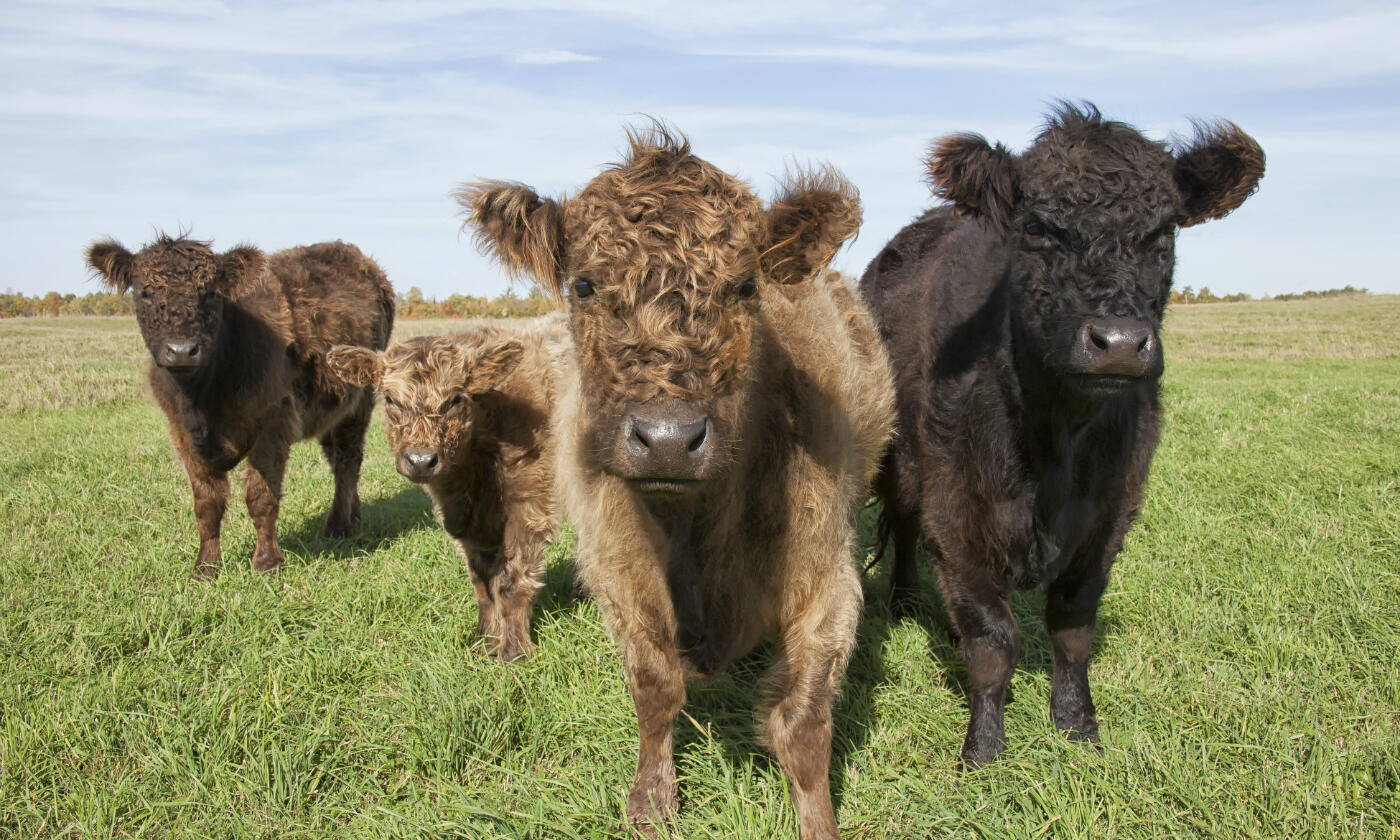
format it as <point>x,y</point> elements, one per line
<point>1245,671</point>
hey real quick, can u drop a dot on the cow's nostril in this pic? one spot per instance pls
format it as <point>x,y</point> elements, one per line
<point>1098,339</point>
<point>194,351</point>
<point>699,439</point>
<point>639,435</point>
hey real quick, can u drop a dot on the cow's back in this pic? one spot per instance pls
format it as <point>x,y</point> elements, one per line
<point>335,295</point>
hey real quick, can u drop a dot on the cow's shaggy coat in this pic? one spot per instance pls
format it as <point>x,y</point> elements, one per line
<point>729,409</point>
<point>238,347</point>
<point>468,417</point>
<point>1023,325</point>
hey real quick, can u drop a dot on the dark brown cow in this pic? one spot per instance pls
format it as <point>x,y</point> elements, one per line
<point>468,417</point>
<point>238,347</point>
<point>730,406</point>
<point>1024,331</point>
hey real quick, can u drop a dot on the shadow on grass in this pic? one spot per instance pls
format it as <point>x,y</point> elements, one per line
<point>382,521</point>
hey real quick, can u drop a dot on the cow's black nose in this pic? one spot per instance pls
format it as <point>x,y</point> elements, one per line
<point>1118,347</point>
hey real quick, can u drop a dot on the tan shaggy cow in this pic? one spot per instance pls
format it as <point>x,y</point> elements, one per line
<point>730,404</point>
<point>468,417</point>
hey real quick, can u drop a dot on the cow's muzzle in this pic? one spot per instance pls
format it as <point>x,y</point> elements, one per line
<point>1116,348</point>
<point>665,447</point>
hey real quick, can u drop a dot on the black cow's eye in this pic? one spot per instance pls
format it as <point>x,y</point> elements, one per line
<point>748,288</point>
<point>1034,227</point>
<point>583,289</point>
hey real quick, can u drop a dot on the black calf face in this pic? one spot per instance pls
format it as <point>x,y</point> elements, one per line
<point>1091,210</point>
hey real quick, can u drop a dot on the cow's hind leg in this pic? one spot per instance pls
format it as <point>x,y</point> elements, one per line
<point>901,521</point>
<point>344,446</point>
<point>817,640</point>
<point>1071,606</point>
<point>991,643</point>
<point>262,490</point>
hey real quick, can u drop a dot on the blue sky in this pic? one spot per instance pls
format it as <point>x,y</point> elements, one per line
<point>282,124</point>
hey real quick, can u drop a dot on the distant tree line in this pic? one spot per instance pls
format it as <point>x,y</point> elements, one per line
<point>412,304</point>
<point>409,305</point>
<point>1187,294</point>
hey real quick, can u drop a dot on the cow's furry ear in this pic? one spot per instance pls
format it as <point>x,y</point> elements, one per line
<point>489,367</point>
<point>812,217</point>
<point>111,263</point>
<point>973,174</point>
<point>240,269</point>
<point>523,232</point>
<point>1216,171</point>
<point>356,365</point>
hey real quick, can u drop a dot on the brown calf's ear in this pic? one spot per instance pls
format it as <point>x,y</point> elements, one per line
<point>111,263</point>
<point>812,217</point>
<point>973,174</point>
<point>520,230</point>
<point>490,367</point>
<point>240,269</point>
<point>356,365</point>
<point>1217,171</point>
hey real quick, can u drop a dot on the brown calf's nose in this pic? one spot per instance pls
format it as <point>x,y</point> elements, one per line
<point>179,354</point>
<point>418,465</point>
<point>667,447</point>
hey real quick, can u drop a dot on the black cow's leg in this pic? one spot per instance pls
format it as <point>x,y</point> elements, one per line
<point>1071,605</point>
<point>991,643</point>
<point>903,523</point>
<point>344,446</point>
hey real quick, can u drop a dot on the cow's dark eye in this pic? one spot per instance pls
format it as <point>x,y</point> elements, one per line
<point>1034,227</point>
<point>583,289</point>
<point>389,402</point>
<point>748,288</point>
<point>145,292</point>
<point>455,401</point>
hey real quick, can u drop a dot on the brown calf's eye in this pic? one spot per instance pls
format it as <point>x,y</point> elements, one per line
<point>583,289</point>
<point>389,402</point>
<point>748,288</point>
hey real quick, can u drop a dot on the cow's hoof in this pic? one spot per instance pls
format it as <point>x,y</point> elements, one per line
<point>337,529</point>
<point>266,561</point>
<point>206,571</point>
<point>647,810</point>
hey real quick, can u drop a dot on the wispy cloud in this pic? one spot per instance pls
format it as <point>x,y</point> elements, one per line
<point>553,57</point>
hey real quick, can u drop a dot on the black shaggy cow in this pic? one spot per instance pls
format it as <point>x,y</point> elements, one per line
<point>1023,326</point>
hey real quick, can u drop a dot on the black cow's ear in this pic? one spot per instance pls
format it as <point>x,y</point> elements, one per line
<point>523,232</point>
<point>356,365</point>
<point>489,367</point>
<point>814,214</point>
<point>240,269</point>
<point>111,263</point>
<point>973,174</point>
<point>1216,171</point>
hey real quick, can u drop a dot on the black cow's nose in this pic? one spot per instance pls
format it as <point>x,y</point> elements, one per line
<point>418,465</point>
<point>668,447</point>
<point>179,354</point>
<point>1118,347</point>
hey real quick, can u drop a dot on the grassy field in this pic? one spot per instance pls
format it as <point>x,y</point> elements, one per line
<point>1245,671</point>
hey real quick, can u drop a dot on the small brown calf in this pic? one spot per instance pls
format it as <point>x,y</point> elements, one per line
<point>467,417</point>
<point>238,347</point>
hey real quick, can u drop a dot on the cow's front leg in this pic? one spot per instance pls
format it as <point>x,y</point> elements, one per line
<point>1071,606</point>
<point>505,599</point>
<point>210,499</point>
<point>990,642</point>
<point>262,488</point>
<point>817,639</point>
